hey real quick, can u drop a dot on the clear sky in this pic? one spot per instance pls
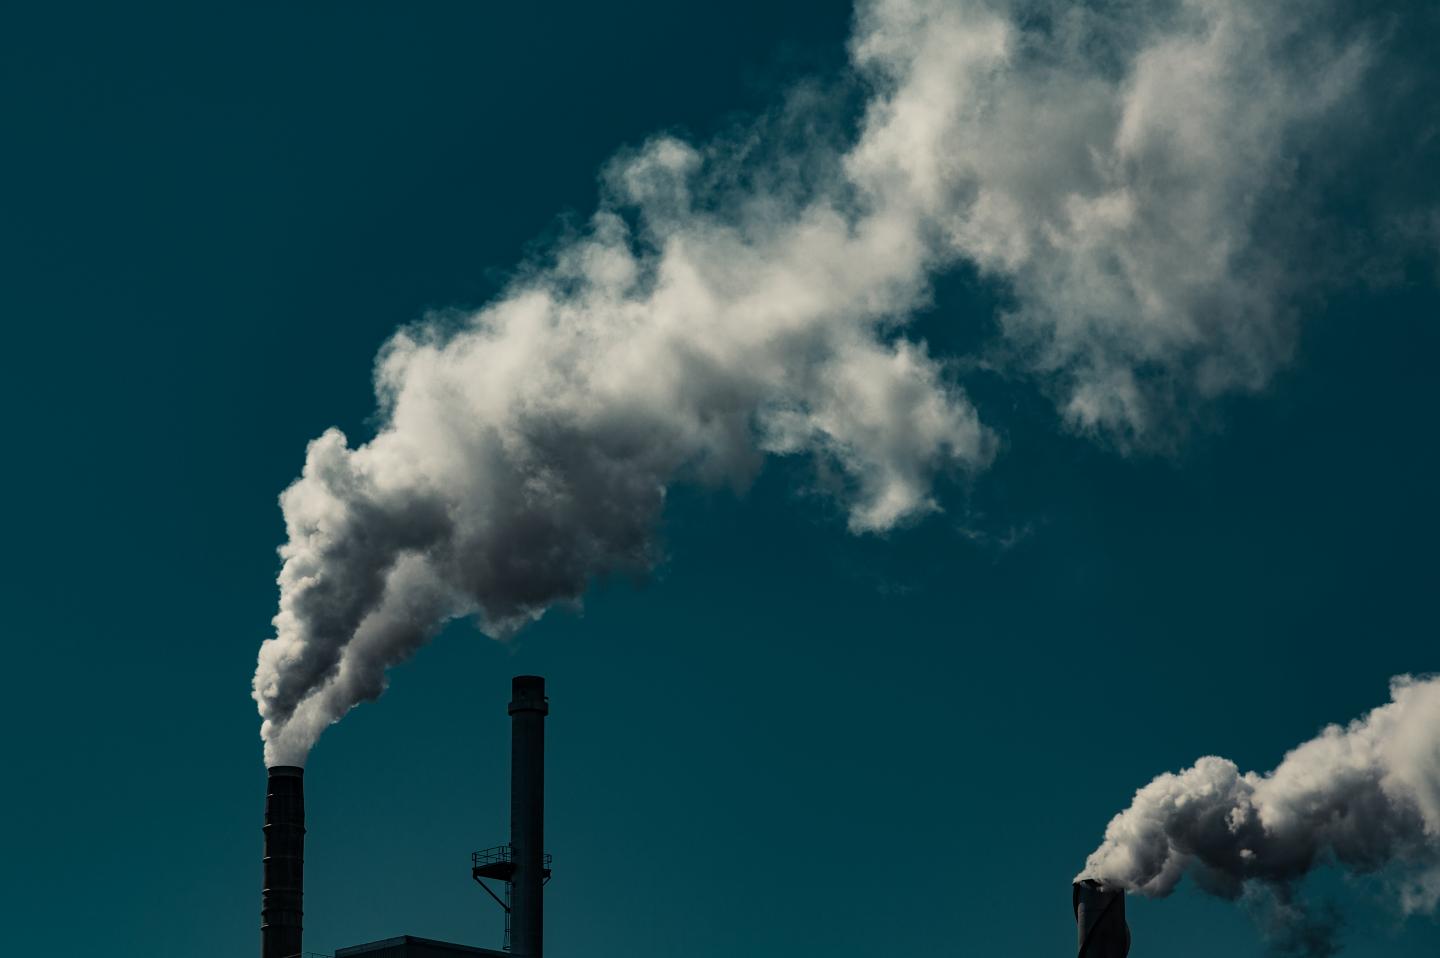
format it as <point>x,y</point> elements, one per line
<point>789,739</point>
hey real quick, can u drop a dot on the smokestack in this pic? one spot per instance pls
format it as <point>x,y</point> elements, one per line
<point>528,708</point>
<point>281,898</point>
<point>1100,926</point>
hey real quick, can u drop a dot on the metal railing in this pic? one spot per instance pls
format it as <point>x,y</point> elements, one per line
<point>498,854</point>
<point>492,856</point>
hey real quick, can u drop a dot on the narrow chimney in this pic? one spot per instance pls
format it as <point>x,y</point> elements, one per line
<point>281,898</point>
<point>528,708</point>
<point>1100,920</point>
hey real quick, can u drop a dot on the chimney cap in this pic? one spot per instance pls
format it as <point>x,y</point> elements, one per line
<point>295,771</point>
<point>527,694</point>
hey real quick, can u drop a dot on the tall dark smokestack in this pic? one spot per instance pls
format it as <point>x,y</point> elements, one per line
<point>1100,926</point>
<point>281,899</point>
<point>528,708</point>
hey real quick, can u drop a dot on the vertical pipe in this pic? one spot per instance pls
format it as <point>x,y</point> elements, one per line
<point>528,708</point>
<point>281,898</point>
<point>1100,928</point>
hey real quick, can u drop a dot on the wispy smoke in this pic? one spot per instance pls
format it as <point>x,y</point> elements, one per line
<point>1365,798</point>
<point>1119,168</point>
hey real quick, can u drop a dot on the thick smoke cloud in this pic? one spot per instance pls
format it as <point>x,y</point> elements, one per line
<point>1117,167</point>
<point>1365,797</point>
<point>1130,169</point>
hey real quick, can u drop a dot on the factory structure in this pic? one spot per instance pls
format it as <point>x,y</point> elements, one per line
<point>515,874</point>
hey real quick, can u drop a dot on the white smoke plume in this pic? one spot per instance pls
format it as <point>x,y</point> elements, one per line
<point>1365,797</point>
<point>1117,167</point>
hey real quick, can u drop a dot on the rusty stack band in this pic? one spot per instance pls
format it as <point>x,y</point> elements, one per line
<point>282,896</point>
<point>528,708</point>
<point>1100,926</point>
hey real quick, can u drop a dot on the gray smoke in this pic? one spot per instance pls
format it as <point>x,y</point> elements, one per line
<point>1365,798</point>
<point>1118,167</point>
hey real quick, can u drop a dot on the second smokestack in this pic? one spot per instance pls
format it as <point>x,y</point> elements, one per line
<point>528,708</point>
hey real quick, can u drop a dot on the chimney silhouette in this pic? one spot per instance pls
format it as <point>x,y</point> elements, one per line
<point>1100,927</point>
<point>281,897</point>
<point>528,708</point>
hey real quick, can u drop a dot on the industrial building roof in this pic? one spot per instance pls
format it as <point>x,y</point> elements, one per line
<point>408,946</point>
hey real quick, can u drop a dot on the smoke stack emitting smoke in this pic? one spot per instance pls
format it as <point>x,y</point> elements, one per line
<point>1100,928</point>
<point>283,892</point>
<point>1118,171</point>
<point>1365,797</point>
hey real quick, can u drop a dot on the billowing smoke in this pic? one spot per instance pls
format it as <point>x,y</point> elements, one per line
<point>1131,172</point>
<point>1365,798</point>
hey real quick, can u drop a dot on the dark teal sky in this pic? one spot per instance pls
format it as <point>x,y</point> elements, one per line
<point>790,741</point>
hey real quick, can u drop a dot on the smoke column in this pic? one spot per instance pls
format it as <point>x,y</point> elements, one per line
<point>1365,797</point>
<point>1130,172</point>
